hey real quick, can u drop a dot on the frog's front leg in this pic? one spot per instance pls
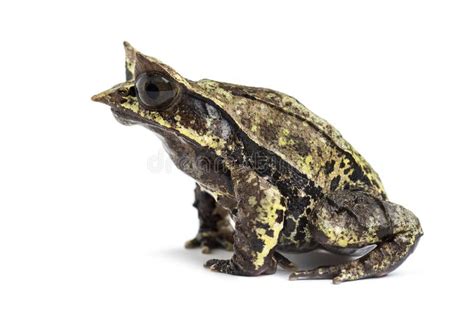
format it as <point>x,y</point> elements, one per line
<point>215,230</point>
<point>258,222</point>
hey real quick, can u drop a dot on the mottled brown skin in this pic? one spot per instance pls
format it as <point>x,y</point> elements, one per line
<point>286,177</point>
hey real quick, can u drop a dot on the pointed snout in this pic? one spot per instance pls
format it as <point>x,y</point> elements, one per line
<point>100,97</point>
<point>115,95</point>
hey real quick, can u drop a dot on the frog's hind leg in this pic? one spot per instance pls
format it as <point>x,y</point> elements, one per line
<point>356,219</point>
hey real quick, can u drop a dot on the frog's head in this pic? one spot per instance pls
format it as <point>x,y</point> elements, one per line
<point>157,97</point>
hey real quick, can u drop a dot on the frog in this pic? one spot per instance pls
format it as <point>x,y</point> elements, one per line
<point>272,177</point>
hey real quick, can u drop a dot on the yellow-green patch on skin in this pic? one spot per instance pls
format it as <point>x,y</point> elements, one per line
<point>132,107</point>
<point>252,201</point>
<point>306,165</point>
<point>283,139</point>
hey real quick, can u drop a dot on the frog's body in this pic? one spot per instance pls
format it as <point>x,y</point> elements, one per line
<point>287,177</point>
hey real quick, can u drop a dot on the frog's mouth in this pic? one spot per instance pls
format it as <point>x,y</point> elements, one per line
<point>129,119</point>
<point>124,118</point>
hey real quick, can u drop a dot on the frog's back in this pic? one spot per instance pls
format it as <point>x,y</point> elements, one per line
<point>284,126</point>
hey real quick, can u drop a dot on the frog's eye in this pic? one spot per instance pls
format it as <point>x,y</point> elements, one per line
<point>155,91</point>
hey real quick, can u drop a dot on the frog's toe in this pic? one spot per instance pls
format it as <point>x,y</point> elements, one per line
<point>205,245</point>
<point>209,241</point>
<point>338,273</point>
<point>221,266</point>
<point>340,278</point>
<point>192,243</point>
<point>318,273</point>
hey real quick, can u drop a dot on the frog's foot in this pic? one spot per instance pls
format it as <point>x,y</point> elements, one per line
<point>341,273</point>
<point>222,266</point>
<point>208,240</point>
<point>230,267</point>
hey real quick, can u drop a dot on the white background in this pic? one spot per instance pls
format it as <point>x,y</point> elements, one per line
<point>92,215</point>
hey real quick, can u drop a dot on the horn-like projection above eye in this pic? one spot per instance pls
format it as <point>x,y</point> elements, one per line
<point>155,91</point>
